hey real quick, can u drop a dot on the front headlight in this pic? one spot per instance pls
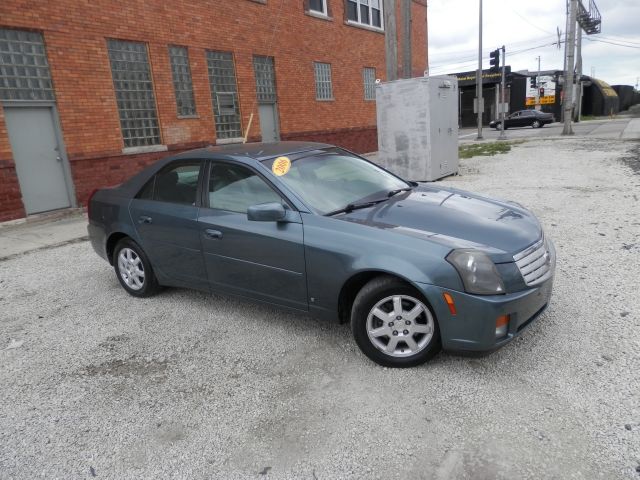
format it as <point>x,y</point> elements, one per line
<point>478,272</point>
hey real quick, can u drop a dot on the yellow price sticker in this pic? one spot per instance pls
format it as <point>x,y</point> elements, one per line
<point>281,166</point>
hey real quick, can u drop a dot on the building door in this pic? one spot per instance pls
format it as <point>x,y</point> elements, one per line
<point>38,157</point>
<point>268,122</point>
<point>266,94</point>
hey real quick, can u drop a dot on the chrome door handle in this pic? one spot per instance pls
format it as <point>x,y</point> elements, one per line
<point>145,219</point>
<point>209,233</point>
<point>59,158</point>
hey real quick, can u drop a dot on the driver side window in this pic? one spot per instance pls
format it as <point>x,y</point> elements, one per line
<point>235,188</point>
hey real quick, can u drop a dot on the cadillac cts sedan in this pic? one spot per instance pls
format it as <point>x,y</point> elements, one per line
<point>413,267</point>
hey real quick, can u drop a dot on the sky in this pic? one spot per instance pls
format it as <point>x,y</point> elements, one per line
<point>528,29</point>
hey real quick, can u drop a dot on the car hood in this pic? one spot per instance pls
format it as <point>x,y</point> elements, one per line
<point>455,218</point>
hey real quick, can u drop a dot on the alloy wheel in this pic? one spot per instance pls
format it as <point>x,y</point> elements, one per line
<point>400,326</point>
<point>131,268</point>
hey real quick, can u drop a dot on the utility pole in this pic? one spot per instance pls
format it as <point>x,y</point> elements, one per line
<point>579,74</point>
<point>479,78</point>
<point>391,39</point>
<point>538,86</point>
<point>567,106</point>
<point>406,38</point>
<point>503,87</point>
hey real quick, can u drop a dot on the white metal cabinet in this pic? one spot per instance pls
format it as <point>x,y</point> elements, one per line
<point>418,127</point>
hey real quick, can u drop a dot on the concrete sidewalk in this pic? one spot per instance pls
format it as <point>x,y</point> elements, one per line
<point>632,130</point>
<point>45,231</point>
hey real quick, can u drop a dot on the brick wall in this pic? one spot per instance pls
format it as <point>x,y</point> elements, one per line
<point>75,36</point>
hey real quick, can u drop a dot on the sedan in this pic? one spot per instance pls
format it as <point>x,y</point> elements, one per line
<point>412,267</point>
<point>525,118</point>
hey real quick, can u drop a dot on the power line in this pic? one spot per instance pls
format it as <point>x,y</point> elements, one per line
<point>612,43</point>
<point>618,39</point>
<point>534,26</point>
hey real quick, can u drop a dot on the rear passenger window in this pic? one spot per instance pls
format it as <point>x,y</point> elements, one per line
<point>178,184</point>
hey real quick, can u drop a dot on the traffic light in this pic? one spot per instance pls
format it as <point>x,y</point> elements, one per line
<point>534,82</point>
<point>541,91</point>
<point>495,60</point>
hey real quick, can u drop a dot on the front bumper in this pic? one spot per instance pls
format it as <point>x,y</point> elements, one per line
<point>473,328</point>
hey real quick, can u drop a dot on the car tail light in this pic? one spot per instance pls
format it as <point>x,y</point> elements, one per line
<point>93,192</point>
<point>502,326</point>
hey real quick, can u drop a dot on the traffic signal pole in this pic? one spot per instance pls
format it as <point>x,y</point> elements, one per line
<point>503,87</point>
<point>479,78</point>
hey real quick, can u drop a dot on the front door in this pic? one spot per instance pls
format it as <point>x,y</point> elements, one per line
<point>262,260</point>
<point>38,158</point>
<point>269,122</point>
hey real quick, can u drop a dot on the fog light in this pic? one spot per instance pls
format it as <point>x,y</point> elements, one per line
<point>502,326</point>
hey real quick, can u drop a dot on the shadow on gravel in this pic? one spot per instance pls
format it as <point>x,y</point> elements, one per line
<point>632,159</point>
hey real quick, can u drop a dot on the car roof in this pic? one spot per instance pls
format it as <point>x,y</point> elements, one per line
<point>255,151</point>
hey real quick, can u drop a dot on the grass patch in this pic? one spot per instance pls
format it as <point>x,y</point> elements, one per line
<point>485,149</point>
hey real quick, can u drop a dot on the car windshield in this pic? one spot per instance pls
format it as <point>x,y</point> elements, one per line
<point>334,179</point>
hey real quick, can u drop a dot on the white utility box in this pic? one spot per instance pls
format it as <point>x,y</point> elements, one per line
<point>418,127</point>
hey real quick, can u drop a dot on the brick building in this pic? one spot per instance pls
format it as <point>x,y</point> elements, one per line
<point>92,92</point>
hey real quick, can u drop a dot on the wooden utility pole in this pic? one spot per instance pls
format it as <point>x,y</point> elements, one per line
<point>390,39</point>
<point>570,51</point>
<point>406,38</point>
<point>578,112</point>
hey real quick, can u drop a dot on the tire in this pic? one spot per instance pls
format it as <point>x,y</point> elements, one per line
<point>404,322</point>
<point>497,127</point>
<point>133,269</point>
<point>536,124</point>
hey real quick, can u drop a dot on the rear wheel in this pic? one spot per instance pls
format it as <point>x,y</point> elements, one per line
<point>536,124</point>
<point>133,269</point>
<point>393,324</point>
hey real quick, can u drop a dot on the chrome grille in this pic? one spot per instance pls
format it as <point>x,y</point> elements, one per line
<point>535,263</point>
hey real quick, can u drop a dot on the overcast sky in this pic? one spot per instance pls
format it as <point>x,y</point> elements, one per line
<point>531,25</point>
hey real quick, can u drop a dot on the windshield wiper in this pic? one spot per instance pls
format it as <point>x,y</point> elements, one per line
<point>354,206</point>
<point>395,192</point>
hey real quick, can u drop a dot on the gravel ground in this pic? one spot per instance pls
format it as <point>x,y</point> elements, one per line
<point>97,384</point>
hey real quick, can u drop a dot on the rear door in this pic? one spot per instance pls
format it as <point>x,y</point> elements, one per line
<point>165,215</point>
<point>262,260</point>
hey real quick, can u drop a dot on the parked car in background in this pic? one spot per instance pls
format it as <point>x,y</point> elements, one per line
<point>413,267</point>
<point>525,118</point>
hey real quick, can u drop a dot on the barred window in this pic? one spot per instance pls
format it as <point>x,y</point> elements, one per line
<point>265,79</point>
<point>182,83</point>
<point>224,92</point>
<point>24,70</point>
<point>369,80</point>
<point>134,93</point>
<point>365,12</point>
<point>324,89</point>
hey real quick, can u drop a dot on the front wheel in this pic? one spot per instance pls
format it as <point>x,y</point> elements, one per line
<point>133,269</point>
<point>393,325</point>
<point>536,124</point>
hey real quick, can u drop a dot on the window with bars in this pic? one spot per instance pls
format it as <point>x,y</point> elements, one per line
<point>324,88</point>
<point>265,79</point>
<point>365,12</point>
<point>24,70</point>
<point>134,93</point>
<point>182,83</point>
<point>224,92</point>
<point>369,80</point>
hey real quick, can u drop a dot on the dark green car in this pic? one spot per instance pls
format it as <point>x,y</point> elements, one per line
<point>413,267</point>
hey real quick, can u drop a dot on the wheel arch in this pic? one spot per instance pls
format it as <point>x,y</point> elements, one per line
<point>354,284</point>
<point>111,243</point>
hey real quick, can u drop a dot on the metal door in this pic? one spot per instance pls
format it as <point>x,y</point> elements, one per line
<point>269,122</point>
<point>38,157</point>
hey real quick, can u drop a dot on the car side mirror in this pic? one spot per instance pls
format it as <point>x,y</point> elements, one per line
<point>266,212</point>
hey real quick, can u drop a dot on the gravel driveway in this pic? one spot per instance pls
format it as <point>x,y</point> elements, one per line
<point>94,383</point>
